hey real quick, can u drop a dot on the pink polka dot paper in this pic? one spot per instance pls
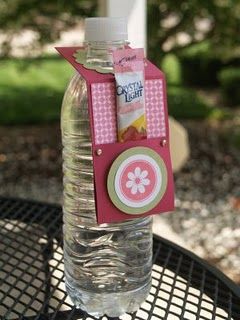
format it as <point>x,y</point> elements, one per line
<point>156,126</point>
<point>104,112</point>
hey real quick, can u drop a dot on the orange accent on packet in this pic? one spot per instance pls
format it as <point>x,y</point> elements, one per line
<point>130,92</point>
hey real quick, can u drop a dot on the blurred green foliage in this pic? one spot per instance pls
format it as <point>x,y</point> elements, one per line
<point>192,41</point>
<point>200,66</point>
<point>32,89</point>
<point>172,68</point>
<point>230,84</point>
<point>217,21</point>
<point>48,18</point>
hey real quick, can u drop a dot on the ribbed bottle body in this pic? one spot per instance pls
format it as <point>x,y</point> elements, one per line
<point>108,266</point>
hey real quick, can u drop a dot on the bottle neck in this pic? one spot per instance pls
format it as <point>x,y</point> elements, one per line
<point>100,54</point>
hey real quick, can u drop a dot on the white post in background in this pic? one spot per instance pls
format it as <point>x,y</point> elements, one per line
<point>135,11</point>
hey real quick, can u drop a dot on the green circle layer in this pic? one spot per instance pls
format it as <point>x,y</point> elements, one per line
<point>112,173</point>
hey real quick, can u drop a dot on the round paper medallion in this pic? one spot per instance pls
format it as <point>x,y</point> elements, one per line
<point>137,180</point>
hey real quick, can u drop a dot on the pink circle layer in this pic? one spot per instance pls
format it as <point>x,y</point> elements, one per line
<point>142,181</point>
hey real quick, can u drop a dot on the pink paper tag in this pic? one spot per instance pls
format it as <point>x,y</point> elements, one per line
<point>133,178</point>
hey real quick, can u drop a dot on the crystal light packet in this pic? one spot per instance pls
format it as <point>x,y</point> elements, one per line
<point>130,94</point>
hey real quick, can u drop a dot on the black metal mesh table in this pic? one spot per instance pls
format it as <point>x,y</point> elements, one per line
<point>32,279</point>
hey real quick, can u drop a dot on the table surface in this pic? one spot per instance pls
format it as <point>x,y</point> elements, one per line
<point>32,279</point>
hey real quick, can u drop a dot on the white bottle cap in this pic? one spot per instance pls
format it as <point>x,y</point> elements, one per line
<point>105,29</point>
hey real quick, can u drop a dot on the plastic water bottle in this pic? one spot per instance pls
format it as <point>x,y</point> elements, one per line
<point>108,266</point>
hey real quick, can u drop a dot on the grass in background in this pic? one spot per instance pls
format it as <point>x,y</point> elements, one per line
<point>31,90</point>
<point>185,103</point>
